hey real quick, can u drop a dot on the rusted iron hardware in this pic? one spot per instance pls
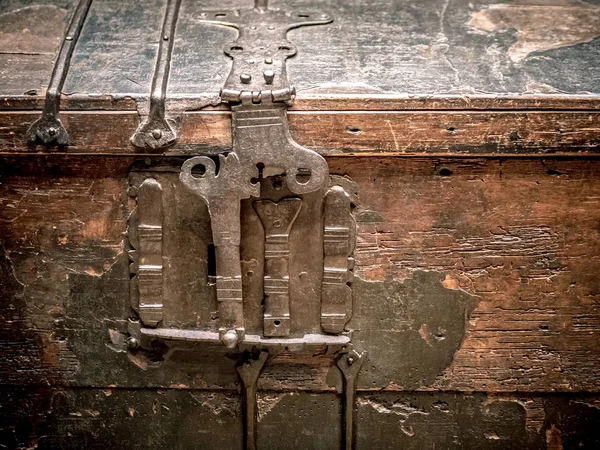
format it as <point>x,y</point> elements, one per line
<point>156,132</point>
<point>277,220</point>
<point>350,364</point>
<point>338,247</point>
<point>49,129</point>
<point>259,86</point>
<point>249,371</point>
<point>240,184</point>
<point>145,235</point>
<point>260,51</point>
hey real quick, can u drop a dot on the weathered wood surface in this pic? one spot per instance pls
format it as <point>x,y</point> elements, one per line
<point>432,55</point>
<point>351,133</point>
<point>427,48</point>
<point>47,418</point>
<point>476,278</point>
<point>535,89</point>
<point>471,275</point>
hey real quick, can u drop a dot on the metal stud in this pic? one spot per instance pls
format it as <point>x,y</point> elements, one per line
<point>156,134</point>
<point>245,78</point>
<point>269,76</point>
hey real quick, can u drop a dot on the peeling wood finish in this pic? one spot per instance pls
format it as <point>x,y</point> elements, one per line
<point>471,130</point>
<point>541,26</point>
<point>490,267</point>
<point>50,418</point>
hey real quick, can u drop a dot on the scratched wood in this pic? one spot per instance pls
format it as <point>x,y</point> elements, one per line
<point>484,270</point>
<point>521,51</point>
<point>351,133</point>
<point>141,419</point>
<point>472,130</point>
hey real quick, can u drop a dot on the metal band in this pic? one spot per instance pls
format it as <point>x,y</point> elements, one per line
<point>156,132</point>
<point>48,128</point>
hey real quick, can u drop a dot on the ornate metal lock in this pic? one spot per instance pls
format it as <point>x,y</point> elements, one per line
<point>267,183</point>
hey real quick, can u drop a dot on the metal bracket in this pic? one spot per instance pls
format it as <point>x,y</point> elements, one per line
<point>338,245</point>
<point>49,128</point>
<point>350,364</point>
<point>249,372</point>
<point>146,237</point>
<point>156,132</point>
<point>260,51</point>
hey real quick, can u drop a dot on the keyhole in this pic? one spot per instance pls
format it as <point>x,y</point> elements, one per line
<point>198,171</point>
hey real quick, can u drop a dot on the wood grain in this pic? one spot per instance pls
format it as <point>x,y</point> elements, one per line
<point>349,133</point>
<point>485,271</point>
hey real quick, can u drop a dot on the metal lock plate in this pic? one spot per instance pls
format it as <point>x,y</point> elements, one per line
<point>282,190</point>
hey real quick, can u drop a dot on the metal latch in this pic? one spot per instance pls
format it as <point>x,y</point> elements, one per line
<point>263,154</point>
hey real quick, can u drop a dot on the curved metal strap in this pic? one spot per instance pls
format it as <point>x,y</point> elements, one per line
<point>49,128</point>
<point>156,132</point>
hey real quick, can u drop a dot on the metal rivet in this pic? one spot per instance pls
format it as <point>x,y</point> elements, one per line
<point>350,360</point>
<point>245,78</point>
<point>324,16</point>
<point>230,339</point>
<point>156,134</point>
<point>253,27</point>
<point>68,38</point>
<point>270,27</point>
<point>52,131</point>
<point>132,191</point>
<point>203,14</point>
<point>165,38</point>
<point>132,343</point>
<point>268,61</point>
<point>269,76</point>
<point>148,161</point>
<point>277,223</point>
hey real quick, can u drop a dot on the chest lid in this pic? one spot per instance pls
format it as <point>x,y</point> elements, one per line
<point>372,78</point>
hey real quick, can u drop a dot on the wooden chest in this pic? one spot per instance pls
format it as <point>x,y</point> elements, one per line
<point>379,230</point>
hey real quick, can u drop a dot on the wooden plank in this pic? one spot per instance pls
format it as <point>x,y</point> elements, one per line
<point>432,55</point>
<point>349,133</point>
<point>118,418</point>
<point>188,419</point>
<point>417,421</point>
<point>471,275</point>
<point>305,101</point>
<point>434,47</point>
<point>30,37</point>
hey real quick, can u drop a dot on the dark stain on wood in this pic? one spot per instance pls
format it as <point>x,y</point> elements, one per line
<point>411,329</point>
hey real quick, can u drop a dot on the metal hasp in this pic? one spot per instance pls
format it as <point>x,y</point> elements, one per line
<point>350,364</point>
<point>156,132</point>
<point>49,129</point>
<point>260,51</point>
<point>263,156</point>
<point>259,88</point>
<point>338,245</point>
